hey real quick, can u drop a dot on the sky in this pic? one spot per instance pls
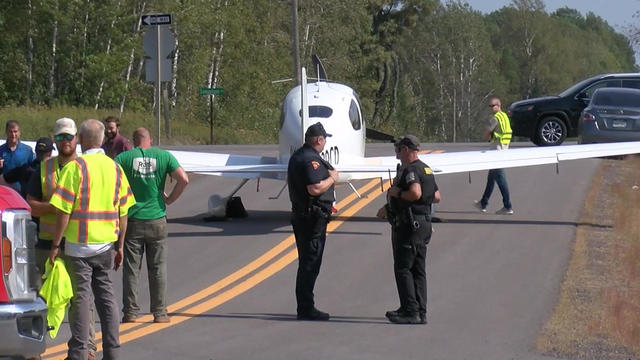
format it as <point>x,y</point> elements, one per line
<point>618,13</point>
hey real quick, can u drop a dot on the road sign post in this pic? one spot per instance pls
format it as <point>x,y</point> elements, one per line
<point>211,92</point>
<point>163,41</point>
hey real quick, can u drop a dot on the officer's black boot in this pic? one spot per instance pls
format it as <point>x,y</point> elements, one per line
<point>406,318</point>
<point>313,314</point>
<point>396,312</point>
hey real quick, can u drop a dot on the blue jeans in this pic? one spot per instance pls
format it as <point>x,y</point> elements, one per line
<point>496,176</point>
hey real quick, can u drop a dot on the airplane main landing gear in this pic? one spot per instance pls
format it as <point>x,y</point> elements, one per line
<point>222,208</point>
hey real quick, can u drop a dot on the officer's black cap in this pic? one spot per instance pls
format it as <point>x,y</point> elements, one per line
<point>410,141</point>
<point>44,144</point>
<point>316,130</point>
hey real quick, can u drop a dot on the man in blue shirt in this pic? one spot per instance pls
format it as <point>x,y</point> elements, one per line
<point>13,153</point>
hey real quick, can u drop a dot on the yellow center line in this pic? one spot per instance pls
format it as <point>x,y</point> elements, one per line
<point>145,321</point>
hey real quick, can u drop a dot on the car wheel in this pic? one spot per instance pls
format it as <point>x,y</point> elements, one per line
<point>551,131</point>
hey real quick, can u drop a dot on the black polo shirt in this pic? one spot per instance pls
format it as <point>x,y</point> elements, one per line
<point>418,172</point>
<point>306,167</point>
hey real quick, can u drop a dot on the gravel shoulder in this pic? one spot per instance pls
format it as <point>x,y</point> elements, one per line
<point>597,315</point>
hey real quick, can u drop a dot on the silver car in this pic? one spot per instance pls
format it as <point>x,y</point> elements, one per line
<point>613,114</point>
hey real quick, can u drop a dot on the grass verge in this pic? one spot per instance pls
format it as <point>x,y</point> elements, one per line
<point>37,121</point>
<point>598,313</point>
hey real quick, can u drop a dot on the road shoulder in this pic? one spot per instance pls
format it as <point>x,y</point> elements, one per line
<point>597,315</point>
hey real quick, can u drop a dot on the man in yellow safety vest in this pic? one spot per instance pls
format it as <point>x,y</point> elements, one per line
<point>39,191</point>
<point>92,198</point>
<point>498,131</point>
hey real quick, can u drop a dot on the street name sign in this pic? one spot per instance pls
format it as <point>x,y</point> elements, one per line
<point>210,91</point>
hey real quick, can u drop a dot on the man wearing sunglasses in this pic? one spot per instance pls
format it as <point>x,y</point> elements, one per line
<point>39,190</point>
<point>408,209</point>
<point>43,183</point>
<point>497,131</point>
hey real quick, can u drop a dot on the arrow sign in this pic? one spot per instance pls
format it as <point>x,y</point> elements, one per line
<point>156,19</point>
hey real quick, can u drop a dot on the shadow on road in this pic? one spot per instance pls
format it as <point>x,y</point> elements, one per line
<point>258,222</point>
<point>287,317</point>
<point>511,220</point>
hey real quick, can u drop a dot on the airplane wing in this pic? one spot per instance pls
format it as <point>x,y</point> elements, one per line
<point>246,166</point>
<point>465,161</point>
<point>243,166</point>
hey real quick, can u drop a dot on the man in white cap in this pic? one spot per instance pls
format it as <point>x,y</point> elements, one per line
<point>43,183</point>
<point>41,186</point>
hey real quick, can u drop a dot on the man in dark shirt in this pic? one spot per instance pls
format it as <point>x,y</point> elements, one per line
<point>114,143</point>
<point>311,189</point>
<point>22,174</point>
<point>409,205</point>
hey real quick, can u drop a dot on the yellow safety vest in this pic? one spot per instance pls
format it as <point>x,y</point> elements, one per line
<point>49,173</point>
<point>95,191</point>
<point>503,131</point>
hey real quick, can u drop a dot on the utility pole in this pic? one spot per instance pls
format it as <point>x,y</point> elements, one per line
<point>294,41</point>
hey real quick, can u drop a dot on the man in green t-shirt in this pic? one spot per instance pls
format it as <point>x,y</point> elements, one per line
<point>147,168</point>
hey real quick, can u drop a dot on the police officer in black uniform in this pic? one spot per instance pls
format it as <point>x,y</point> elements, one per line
<point>409,206</point>
<point>311,180</point>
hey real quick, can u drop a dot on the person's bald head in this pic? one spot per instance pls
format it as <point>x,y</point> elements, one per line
<point>142,138</point>
<point>91,134</point>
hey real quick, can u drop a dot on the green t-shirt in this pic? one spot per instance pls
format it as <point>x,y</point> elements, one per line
<point>147,170</point>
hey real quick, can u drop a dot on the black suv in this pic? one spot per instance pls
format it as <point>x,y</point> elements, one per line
<point>549,120</point>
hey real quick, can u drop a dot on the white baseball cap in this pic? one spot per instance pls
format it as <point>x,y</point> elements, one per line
<point>65,126</point>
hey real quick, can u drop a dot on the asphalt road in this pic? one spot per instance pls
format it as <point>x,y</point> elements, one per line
<point>492,280</point>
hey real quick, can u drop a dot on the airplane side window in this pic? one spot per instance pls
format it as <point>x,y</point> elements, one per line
<point>318,111</point>
<point>354,116</point>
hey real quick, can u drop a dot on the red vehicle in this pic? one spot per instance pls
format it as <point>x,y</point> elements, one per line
<point>23,313</point>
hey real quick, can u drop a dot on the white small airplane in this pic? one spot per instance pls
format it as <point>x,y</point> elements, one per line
<point>337,107</point>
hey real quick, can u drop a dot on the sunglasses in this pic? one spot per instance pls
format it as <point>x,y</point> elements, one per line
<point>492,105</point>
<point>67,137</point>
